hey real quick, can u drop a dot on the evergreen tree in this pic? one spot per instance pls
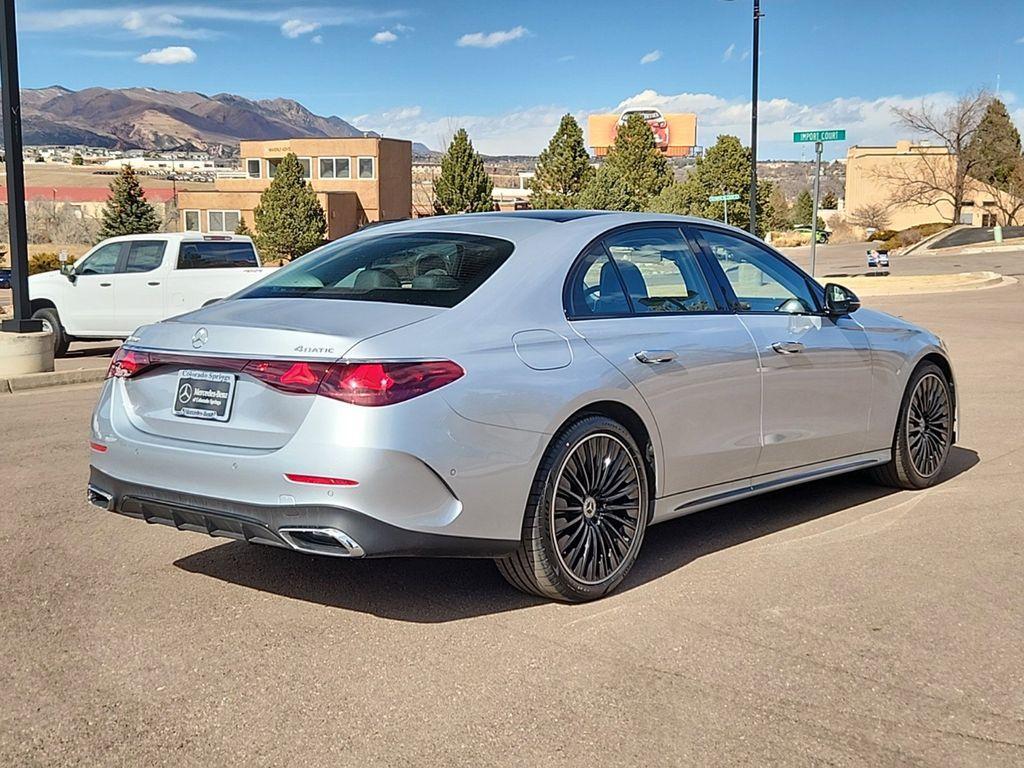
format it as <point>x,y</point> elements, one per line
<point>780,214</point>
<point>830,201</point>
<point>463,186</point>
<point>606,191</point>
<point>803,210</point>
<point>637,164</point>
<point>243,228</point>
<point>724,168</point>
<point>289,219</point>
<point>563,169</point>
<point>127,212</point>
<point>995,147</point>
<point>76,159</point>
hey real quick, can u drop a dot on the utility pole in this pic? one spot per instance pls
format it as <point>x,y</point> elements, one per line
<point>753,119</point>
<point>15,174</point>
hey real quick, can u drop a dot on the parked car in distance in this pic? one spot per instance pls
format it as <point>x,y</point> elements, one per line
<point>125,282</point>
<point>654,118</point>
<point>5,278</point>
<point>537,387</point>
<point>823,234</point>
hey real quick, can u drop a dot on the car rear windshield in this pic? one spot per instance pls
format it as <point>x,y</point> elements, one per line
<point>428,268</point>
<point>212,254</point>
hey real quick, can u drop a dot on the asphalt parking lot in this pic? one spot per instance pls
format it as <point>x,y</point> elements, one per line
<point>838,623</point>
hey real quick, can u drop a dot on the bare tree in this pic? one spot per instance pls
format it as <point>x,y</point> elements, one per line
<point>870,216</point>
<point>933,176</point>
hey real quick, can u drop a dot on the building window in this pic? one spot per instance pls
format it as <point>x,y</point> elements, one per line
<point>252,165</point>
<point>305,162</point>
<point>223,221</point>
<point>366,169</point>
<point>191,220</point>
<point>335,168</point>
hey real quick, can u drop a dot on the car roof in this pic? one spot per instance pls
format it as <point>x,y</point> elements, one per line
<point>520,225</point>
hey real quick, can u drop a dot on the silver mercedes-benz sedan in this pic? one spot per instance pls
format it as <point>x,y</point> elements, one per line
<point>535,387</point>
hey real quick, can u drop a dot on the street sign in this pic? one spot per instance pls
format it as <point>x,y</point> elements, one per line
<point>722,198</point>
<point>800,136</point>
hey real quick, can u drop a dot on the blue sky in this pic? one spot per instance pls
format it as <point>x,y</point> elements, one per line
<point>508,71</point>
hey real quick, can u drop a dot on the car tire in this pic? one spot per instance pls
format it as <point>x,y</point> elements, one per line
<point>924,432</point>
<point>51,323</point>
<point>586,516</point>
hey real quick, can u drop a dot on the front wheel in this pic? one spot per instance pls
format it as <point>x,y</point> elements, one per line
<point>924,432</point>
<point>586,515</point>
<point>51,324</point>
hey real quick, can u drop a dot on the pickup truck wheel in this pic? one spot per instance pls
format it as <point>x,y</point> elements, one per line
<point>51,324</point>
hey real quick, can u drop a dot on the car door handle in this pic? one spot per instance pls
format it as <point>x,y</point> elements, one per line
<point>655,356</point>
<point>153,282</point>
<point>105,285</point>
<point>788,347</point>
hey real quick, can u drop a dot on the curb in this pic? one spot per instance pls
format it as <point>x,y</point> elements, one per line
<point>51,379</point>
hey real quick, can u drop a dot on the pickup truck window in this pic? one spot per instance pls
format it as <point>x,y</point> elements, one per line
<point>145,255</point>
<point>217,255</point>
<point>103,260</point>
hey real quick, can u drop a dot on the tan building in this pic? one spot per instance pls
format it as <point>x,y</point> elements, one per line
<point>875,175</point>
<point>356,180</point>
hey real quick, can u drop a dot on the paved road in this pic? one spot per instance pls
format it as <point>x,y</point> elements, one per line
<point>839,623</point>
<point>974,236</point>
<point>836,261</point>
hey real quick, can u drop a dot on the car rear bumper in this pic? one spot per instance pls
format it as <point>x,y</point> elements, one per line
<point>313,529</point>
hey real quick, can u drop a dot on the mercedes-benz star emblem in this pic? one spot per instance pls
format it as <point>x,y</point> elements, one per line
<point>185,393</point>
<point>199,338</point>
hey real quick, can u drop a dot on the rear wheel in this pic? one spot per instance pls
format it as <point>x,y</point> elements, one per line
<point>924,432</point>
<point>586,515</point>
<point>51,324</point>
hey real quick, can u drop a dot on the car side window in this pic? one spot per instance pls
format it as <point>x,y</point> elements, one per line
<point>660,270</point>
<point>145,255</point>
<point>761,280</point>
<point>103,260</point>
<point>596,287</point>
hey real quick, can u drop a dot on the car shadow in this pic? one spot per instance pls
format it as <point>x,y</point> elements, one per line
<point>79,350</point>
<point>424,590</point>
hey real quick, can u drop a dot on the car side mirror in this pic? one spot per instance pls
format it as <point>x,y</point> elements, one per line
<point>839,300</point>
<point>68,270</point>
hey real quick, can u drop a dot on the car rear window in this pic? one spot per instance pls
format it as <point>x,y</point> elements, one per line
<point>428,268</point>
<point>204,254</point>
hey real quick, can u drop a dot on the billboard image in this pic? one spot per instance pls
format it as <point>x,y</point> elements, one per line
<point>675,134</point>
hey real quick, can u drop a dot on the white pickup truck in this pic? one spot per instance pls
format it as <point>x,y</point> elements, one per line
<point>125,282</point>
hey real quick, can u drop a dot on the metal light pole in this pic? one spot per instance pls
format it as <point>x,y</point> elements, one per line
<point>15,174</point>
<point>753,119</point>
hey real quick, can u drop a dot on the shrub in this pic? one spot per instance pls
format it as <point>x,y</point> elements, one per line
<point>883,234</point>
<point>43,262</point>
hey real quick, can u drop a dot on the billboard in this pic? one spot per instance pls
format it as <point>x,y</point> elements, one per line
<point>675,134</point>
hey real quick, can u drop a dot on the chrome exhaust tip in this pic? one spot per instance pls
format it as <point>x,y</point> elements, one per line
<point>99,498</point>
<point>322,541</point>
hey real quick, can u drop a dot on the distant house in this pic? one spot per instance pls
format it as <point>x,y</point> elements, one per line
<point>357,181</point>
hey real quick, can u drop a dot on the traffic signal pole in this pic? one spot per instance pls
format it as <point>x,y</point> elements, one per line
<point>15,175</point>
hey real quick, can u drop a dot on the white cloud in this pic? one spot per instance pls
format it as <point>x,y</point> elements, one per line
<point>650,58</point>
<point>297,27</point>
<point>184,21</point>
<point>728,53</point>
<point>172,54</point>
<point>316,39</point>
<point>384,36</point>
<point>491,39</point>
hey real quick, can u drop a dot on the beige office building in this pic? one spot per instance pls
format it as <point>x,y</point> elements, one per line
<point>874,176</point>
<point>356,180</point>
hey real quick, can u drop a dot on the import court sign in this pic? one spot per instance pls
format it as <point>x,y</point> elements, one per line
<point>801,136</point>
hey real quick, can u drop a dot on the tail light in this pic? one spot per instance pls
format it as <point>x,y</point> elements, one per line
<point>127,363</point>
<point>367,383</point>
<point>375,384</point>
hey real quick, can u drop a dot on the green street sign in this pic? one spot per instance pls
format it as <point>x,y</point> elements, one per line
<point>799,136</point>
<point>722,198</point>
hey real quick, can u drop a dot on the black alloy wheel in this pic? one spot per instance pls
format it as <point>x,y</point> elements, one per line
<point>586,516</point>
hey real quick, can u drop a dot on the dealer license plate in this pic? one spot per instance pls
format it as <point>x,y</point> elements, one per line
<point>204,395</point>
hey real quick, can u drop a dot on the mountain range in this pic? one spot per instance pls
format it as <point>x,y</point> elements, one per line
<point>151,119</point>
